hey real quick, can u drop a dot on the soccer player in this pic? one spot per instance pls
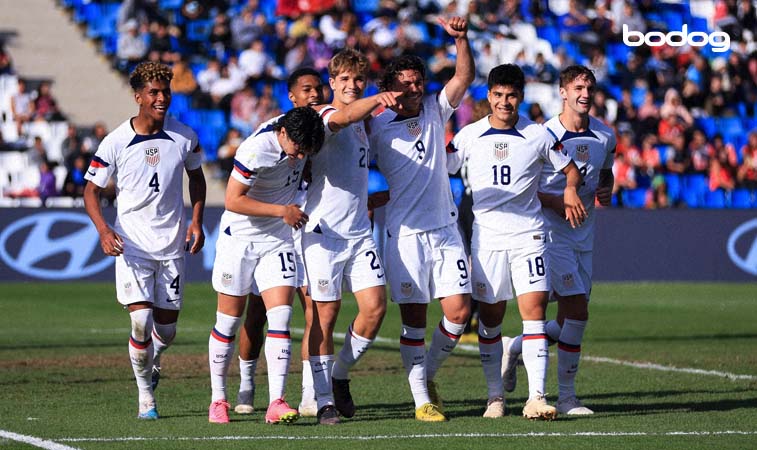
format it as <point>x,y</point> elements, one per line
<point>424,253</point>
<point>505,155</point>
<point>256,248</point>
<point>146,155</point>
<point>338,243</point>
<point>305,89</point>
<point>591,144</point>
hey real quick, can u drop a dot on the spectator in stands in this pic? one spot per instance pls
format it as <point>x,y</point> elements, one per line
<point>318,51</point>
<point>226,152</point>
<point>219,39</point>
<point>256,63</point>
<point>243,105</point>
<point>659,194</point>
<point>71,146</point>
<point>183,81</point>
<point>22,107</point>
<point>692,97</point>
<point>46,186</point>
<point>625,176</point>
<point>625,13</point>
<point>721,172</point>
<point>131,47</point>
<point>650,162</point>
<point>222,89</point>
<point>330,26</point>
<point>6,63</point>
<point>719,146</point>
<point>45,105</point>
<point>536,114</point>
<point>302,27</point>
<point>37,152</point>
<point>73,186</point>
<point>746,176</point>
<point>700,152</point>
<point>677,160</point>
<point>162,44</point>
<point>441,65</point>
<point>718,100</point>
<point>92,141</point>
<point>244,29</point>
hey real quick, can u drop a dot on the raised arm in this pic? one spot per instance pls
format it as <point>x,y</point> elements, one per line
<point>237,201</point>
<point>457,27</point>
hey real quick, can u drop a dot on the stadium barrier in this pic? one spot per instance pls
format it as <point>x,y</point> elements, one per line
<point>630,245</point>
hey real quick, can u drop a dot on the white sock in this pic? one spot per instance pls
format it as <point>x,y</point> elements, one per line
<point>490,348</point>
<point>220,351</point>
<point>162,337</point>
<point>141,352</point>
<point>354,348</point>
<point>308,391</point>
<point>322,366</point>
<point>278,350</point>
<point>413,352</point>
<point>535,356</point>
<point>568,355</point>
<point>553,331</point>
<point>247,375</point>
<point>443,342</point>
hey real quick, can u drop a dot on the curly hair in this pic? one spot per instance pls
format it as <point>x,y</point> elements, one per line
<point>570,73</point>
<point>404,62</point>
<point>348,59</point>
<point>507,75</point>
<point>148,71</point>
<point>304,127</point>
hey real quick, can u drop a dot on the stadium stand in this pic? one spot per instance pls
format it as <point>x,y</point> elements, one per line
<point>717,92</point>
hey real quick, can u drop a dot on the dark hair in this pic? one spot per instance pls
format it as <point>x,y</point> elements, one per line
<point>304,127</point>
<point>570,73</point>
<point>148,71</point>
<point>507,75</point>
<point>299,73</point>
<point>404,62</point>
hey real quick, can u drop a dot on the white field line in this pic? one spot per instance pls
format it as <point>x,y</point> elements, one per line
<point>36,442</point>
<point>412,436</point>
<point>467,348</point>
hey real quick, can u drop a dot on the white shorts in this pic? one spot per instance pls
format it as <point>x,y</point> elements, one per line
<point>497,272</point>
<point>570,270</point>
<point>299,259</point>
<point>147,280</point>
<point>241,264</point>
<point>430,264</point>
<point>330,261</point>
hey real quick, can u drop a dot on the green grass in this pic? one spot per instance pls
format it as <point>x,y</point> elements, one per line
<point>65,374</point>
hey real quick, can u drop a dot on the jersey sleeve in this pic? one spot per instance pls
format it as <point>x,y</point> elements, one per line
<point>194,157</point>
<point>456,153</point>
<point>554,151</point>
<point>610,156</point>
<point>247,161</point>
<point>445,109</point>
<point>326,114</point>
<point>102,166</point>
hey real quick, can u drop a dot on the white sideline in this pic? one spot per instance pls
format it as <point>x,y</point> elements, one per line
<point>413,436</point>
<point>31,440</point>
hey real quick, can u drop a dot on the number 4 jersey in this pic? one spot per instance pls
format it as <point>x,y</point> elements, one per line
<point>148,171</point>
<point>504,167</point>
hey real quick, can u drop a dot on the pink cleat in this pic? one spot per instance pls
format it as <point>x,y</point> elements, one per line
<point>219,412</point>
<point>279,411</point>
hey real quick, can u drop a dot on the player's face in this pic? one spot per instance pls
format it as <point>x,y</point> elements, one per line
<point>504,102</point>
<point>578,95</point>
<point>348,86</point>
<point>308,91</point>
<point>410,83</point>
<point>154,99</point>
<point>291,149</point>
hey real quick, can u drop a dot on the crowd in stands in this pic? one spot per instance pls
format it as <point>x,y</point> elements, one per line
<point>686,117</point>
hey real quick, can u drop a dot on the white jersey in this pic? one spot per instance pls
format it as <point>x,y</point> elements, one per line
<point>149,174</point>
<point>504,167</point>
<point>272,176</point>
<point>411,154</point>
<point>592,150</point>
<point>337,196</point>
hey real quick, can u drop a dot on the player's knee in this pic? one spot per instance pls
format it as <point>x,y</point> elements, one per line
<point>141,324</point>
<point>165,332</point>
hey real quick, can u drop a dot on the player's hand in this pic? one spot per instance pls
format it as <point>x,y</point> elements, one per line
<point>195,233</point>
<point>575,212</point>
<point>457,27</point>
<point>111,243</point>
<point>378,199</point>
<point>294,217</point>
<point>604,196</point>
<point>388,99</point>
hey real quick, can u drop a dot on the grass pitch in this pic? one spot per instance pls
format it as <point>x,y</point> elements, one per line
<point>666,366</point>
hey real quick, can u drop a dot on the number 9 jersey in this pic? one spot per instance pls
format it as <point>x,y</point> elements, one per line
<point>149,174</point>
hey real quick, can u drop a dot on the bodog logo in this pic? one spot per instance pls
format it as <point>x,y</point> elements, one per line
<point>53,246</point>
<point>742,247</point>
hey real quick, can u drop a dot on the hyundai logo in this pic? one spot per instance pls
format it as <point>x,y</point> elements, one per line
<point>742,246</point>
<point>53,246</point>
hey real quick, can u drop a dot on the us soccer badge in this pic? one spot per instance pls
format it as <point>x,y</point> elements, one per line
<point>414,128</point>
<point>582,152</point>
<point>501,151</point>
<point>152,156</point>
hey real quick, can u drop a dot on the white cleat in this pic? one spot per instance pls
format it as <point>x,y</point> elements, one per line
<point>538,409</point>
<point>572,407</point>
<point>495,408</point>
<point>308,409</point>
<point>509,365</point>
<point>244,402</point>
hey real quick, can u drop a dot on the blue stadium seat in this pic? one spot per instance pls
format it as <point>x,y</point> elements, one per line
<point>180,104</point>
<point>376,181</point>
<point>714,199</point>
<point>673,183</point>
<point>550,34</point>
<point>458,188</point>
<point>634,198</point>
<point>199,30</point>
<point>708,125</point>
<point>479,92</point>
<point>741,198</point>
<point>694,186</point>
<point>170,4</point>
<point>365,6</point>
<point>730,125</point>
<point>637,95</point>
<point>698,24</point>
<point>662,150</point>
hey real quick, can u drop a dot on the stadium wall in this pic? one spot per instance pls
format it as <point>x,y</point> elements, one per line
<point>631,245</point>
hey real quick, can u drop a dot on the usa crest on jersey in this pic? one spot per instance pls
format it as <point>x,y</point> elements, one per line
<point>582,152</point>
<point>414,127</point>
<point>152,156</point>
<point>501,150</point>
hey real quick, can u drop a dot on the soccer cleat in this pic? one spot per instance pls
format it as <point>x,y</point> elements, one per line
<point>308,408</point>
<point>537,408</point>
<point>328,416</point>
<point>469,338</point>
<point>509,366</point>
<point>495,408</point>
<point>572,407</point>
<point>218,412</point>
<point>433,394</point>
<point>279,411</point>
<point>244,402</point>
<point>342,397</point>
<point>429,412</point>
<point>147,411</point>
<point>155,377</point>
